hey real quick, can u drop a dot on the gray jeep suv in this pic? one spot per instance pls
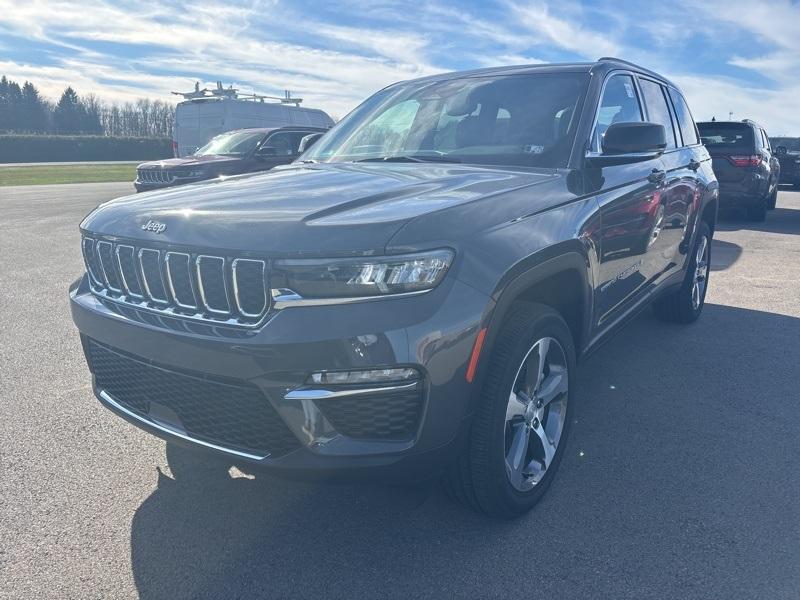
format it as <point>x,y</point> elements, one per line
<point>409,299</point>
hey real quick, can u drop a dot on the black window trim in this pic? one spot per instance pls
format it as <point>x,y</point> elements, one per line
<point>592,151</point>
<point>699,141</point>
<point>672,115</point>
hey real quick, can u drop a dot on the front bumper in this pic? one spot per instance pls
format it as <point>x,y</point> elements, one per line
<point>433,333</point>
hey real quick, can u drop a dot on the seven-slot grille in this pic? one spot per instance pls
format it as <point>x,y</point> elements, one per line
<point>187,284</point>
<point>155,176</point>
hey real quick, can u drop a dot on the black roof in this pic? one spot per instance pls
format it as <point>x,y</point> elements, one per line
<point>604,64</point>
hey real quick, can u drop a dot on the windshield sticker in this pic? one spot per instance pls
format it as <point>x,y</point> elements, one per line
<point>531,149</point>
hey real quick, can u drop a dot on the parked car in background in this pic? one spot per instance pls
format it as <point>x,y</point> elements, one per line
<point>232,153</point>
<point>745,166</point>
<point>410,298</point>
<point>205,114</point>
<point>790,166</point>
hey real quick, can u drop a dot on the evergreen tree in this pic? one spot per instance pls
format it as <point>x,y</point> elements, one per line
<point>33,117</point>
<point>67,116</point>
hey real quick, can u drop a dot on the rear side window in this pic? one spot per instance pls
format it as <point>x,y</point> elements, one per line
<point>765,138</point>
<point>731,136</point>
<point>685,120</point>
<point>657,108</point>
<point>618,105</point>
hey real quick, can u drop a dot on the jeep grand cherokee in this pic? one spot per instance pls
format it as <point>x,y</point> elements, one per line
<point>410,298</point>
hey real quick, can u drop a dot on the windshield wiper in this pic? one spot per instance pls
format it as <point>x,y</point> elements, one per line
<point>410,158</point>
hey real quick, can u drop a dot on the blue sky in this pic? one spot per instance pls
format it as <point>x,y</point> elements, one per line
<point>727,55</point>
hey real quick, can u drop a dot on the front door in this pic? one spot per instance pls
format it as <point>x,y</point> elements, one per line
<point>632,208</point>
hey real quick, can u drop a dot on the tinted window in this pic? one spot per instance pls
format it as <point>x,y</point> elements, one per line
<point>657,108</point>
<point>738,136</point>
<point>232,144</point>
<point>523,120</point>
<point>685,120</point>
<point>618,105</point>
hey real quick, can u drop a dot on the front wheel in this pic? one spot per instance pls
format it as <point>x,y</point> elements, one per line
<point>686,304</point>
<point>520,429</point>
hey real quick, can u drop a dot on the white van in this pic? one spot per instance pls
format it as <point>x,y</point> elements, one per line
<point>198,120</point>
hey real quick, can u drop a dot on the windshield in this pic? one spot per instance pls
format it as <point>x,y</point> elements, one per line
<point>237,143</point>
<point>516,120</point>
<point>729,135</point>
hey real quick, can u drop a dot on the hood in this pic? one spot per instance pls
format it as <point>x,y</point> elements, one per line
<point>190,161</point>
<point>317,209</point>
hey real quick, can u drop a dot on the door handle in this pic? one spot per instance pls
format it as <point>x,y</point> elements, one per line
<point>657,176</point>
<point>694,165</point>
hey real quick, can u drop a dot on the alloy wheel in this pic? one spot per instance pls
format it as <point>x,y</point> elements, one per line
<point>700,273</point>
<point>536,413</point>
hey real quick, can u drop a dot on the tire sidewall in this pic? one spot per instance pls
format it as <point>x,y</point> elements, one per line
<point>545,324</point>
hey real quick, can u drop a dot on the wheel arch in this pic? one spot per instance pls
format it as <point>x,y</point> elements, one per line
<point>562,282</point>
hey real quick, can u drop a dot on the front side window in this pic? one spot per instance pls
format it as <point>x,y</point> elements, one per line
<point>657,108</point>
<point>284,143</point>
<point>511,120</point>
<point>685,120</point>
<point>619,104</point>
<point>237,143</point>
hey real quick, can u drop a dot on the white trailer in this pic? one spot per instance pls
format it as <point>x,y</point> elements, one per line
<point>201,117</point>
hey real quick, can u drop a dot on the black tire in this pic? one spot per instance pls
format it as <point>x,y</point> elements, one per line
<point>773,199</point>
<point>678,306</point>
<point>478,479</point>
<point>758,212</point>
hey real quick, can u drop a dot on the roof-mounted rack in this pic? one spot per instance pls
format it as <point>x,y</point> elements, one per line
<point>233,94</point>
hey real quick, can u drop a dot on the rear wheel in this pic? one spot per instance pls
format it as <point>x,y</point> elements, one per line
<point>519,432</point>
<point>773,199</point>
<point>686,304</point>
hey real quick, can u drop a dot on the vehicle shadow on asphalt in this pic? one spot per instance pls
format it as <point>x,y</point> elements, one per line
<point>724,254</point>
<point>682,436</point>
<point>780,220</point>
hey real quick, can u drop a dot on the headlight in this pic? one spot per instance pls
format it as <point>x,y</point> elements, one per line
<point>361,277</point>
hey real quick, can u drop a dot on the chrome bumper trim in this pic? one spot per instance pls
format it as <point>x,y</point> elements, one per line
<point>106,397</point>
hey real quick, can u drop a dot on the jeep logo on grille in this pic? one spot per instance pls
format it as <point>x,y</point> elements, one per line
<point>154,226</point>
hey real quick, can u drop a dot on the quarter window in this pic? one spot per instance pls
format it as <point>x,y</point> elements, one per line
<point>619,104</point>
<point>658,109</point>
<point>685,120</point>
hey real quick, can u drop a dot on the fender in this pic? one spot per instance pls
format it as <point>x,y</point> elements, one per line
<point>509,290</point>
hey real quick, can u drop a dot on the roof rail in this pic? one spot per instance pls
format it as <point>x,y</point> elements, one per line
<point>619,60</point>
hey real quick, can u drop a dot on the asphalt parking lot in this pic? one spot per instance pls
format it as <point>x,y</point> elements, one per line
<point>680,479</point>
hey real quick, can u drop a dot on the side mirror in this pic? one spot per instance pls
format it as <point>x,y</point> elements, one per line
<point>266,151</point>
<point>781,150</point>
<point>307,141</point>
<point>634,138</point>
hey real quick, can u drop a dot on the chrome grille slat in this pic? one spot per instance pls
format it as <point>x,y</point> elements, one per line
<point>245,296</point>
<point>212,285</point>
<point>179,278</point>
<point>91,260</point>
<point>153,286</point>
<point>105,254</point>
<point>126,261</point>
<point>219,290</point>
